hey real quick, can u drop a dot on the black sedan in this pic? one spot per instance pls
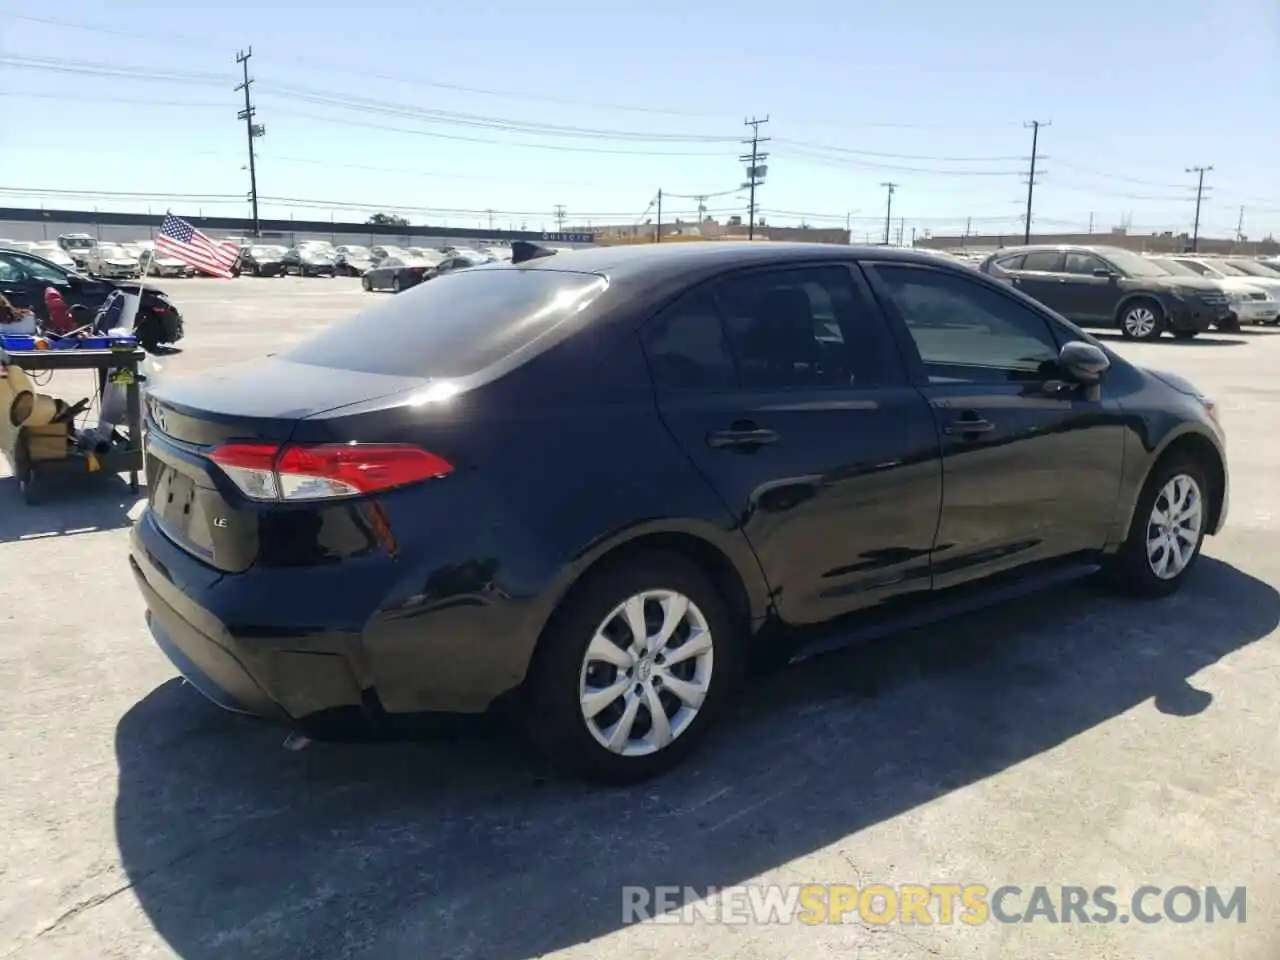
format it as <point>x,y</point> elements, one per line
<point>396,274</point>
<point>309,262</point>
<point>265,260</point>
<point>593,487</point>
<point>24,278</point>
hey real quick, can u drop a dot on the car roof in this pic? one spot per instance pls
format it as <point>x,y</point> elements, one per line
<point>642,261</point>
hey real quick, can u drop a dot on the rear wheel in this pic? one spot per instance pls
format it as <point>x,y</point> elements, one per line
<point>632,672</point>
<point>395,285</point>
<point>1142,320</point>
<point>364,283</point>
<point>1167,530</point>
<point>1229,324</point>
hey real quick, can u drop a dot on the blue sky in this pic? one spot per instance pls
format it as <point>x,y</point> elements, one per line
<point>376,106</point>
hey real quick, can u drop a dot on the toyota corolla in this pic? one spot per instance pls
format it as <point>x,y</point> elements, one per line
<point>593,487</point>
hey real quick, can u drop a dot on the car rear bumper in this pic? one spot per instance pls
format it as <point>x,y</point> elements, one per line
<point>277,677</point>
<point>359,638</point>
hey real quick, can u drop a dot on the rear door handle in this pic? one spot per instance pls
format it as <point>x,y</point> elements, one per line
<point>959,428</point>
<point>747,437</point>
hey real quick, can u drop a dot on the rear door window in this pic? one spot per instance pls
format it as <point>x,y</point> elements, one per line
<point>1043,261</point>
<point>456,325</point>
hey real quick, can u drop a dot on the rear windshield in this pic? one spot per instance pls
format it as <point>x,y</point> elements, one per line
<point>454,325</point>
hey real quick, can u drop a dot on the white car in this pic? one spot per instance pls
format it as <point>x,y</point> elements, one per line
<point>1220,269</point>
<point>160,266</point>
<point>1250,302</point>
<point>112,261</point>
<point>54,254</point>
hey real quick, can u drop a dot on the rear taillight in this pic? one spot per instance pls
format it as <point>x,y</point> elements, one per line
<point>295,472</point>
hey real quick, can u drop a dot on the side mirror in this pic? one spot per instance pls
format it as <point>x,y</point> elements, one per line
<point>1083,361</point>
<point>1103,272</point>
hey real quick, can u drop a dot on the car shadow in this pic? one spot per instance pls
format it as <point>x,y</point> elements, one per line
<point>66,506</point>
<point>459,845</point>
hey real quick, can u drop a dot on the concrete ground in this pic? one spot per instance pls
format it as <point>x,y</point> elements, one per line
<point>1073,738</point>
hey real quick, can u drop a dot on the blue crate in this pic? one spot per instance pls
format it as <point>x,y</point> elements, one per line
<point>17,341</point>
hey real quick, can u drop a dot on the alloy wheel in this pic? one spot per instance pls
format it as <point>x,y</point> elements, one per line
<point>1173,530</point>
<point>646,672</point>
<point>1140,322</point>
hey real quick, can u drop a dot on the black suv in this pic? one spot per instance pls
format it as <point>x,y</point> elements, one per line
<point>1108,287</point>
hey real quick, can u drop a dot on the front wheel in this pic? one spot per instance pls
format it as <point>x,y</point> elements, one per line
<point>395,285</point>
<point>1142,320</point>
<point>365,284</point>
<point>1166,532</point>
<point>632,672</point>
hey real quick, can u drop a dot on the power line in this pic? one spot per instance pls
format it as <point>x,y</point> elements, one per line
<point>893,156</point>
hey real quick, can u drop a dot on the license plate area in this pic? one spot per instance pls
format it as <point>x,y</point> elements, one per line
<point>178,506</point>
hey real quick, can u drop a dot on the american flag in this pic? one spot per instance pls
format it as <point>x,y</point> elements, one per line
<point>182,241</point>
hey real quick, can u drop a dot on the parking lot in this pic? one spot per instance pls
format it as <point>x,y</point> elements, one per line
<point>1072,738</point>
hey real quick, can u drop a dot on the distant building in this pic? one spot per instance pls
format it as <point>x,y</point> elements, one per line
<point>734,229</point>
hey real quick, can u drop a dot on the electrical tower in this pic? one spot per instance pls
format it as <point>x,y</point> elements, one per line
<point>1195,230</point>
<point>1035,126</point>
<point>254,130</point>
<point>560,217</point>
<point>756,169</point>
<point>888,210</point>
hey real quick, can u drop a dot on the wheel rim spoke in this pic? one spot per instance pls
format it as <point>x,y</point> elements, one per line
<point>593,701</point>
<point>673,611</point>
<point>604,650</point>
<point>633,611</point>
<point>659,724</point>
<point>689,692</point>
<point>620,733</point>
<point>699,642</point>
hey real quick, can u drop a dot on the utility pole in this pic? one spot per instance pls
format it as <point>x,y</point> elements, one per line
<point>254,130</point>
<point>1240,227</point>
<point>657,227</point>
<point>490,212</point>
<point>913,238</point>
<point>888,210</point>
<point>902,227</point>
<point>1195,230</point>
<point>1035,126</point>
<point>756,169</point>
<point>559,218</point>
<point>968,225</point>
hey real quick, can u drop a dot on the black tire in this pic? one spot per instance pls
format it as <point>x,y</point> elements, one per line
<point>1230,324</point>
<point>558,726</point>
<point>1130,570</point>
<point>396,286</point>
<point>365,284</point>
<point>1132,315</point>
<point>1185,334</point>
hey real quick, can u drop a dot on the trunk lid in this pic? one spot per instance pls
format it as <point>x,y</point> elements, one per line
<point>192,503</point>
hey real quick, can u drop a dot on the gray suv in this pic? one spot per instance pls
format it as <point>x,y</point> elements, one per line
<point>1111,287</point>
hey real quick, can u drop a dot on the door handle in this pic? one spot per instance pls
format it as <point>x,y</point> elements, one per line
<point>963,426</point>
<point>741,437</point>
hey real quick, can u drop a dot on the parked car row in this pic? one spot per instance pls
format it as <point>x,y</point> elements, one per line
<point>1144,296</point>
<point>112,261</point>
